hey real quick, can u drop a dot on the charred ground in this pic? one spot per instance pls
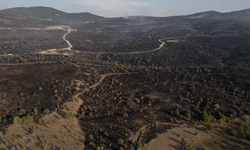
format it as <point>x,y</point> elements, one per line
<point>200,75</point>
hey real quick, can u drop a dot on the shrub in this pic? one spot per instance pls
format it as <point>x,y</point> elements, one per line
<point>156,124</point>
<point>233,132</point>
<point>22,111</point>
<point>224,118</point>
<point>216,106</point>
<point>194,122</point>
<point>189,115</point>
<point>35,111</point>
<point>27,119</point>
<point>125,115</point>
<point>139,145</point>
<point>142,131</point>
<point>68,115</point>
<point>176,112</point>
<point>41,121</point>
<point>183,142</point>
<point>228,120</point>
<point>17,120</point>
<point>120,141</point>
<point>208,118</point>
<point>46,111</point>
<point>62,106</point>
<point>210,127</point>
<point>6,132</point>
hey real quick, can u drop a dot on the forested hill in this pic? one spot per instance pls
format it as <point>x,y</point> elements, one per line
<point>51,14</point>
<point>234,15</point>
<point>12,21</point>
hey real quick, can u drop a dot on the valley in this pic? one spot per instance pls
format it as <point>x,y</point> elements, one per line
<point>124,83</point>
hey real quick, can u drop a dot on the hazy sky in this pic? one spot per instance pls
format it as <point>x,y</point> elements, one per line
<point>120,8</point>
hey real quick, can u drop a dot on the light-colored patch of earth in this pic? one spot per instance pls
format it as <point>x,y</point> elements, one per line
<point>89,41</point>
<point>51,51</point>
<point>79,83</point>
<point>53,28</point>
<point>6,42</point>
<point>57,132</point>
<point>172,139</point>
<point>172,41</point>
<point>88,74</point>
<point>155,95</point>
<point>219,139</point>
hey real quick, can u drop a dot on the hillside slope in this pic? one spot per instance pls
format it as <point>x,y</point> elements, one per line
<point>234,15</point>
<point>48,13</point>
<point>12,21</point>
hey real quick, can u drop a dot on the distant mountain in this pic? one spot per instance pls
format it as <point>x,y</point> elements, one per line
<point>234,15</point>
<point>51,14</point>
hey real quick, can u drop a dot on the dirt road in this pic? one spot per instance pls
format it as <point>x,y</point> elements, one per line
<point>169,40</point>
<point>64,38</point>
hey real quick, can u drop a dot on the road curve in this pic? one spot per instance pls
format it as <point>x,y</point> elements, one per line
<point>64,38</point>
<point>122,53</point>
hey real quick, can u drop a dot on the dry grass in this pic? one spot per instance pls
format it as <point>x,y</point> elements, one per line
<point>202,140</point>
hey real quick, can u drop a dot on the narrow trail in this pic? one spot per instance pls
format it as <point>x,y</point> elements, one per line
<point>80,101</point>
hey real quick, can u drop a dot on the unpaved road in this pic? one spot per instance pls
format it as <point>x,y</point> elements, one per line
<point>170,40</point>
<point>64,38</point>
<point>68,29</point>
<point>51,51</point>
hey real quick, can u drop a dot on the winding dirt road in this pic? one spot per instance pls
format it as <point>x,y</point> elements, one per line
<point>68,29</point>
<point>64,38</point>
<point>170,40</point>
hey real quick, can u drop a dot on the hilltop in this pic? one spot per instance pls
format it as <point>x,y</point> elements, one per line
<point>13,21</point>
<point>51,14</point>
<point>234,15</point>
